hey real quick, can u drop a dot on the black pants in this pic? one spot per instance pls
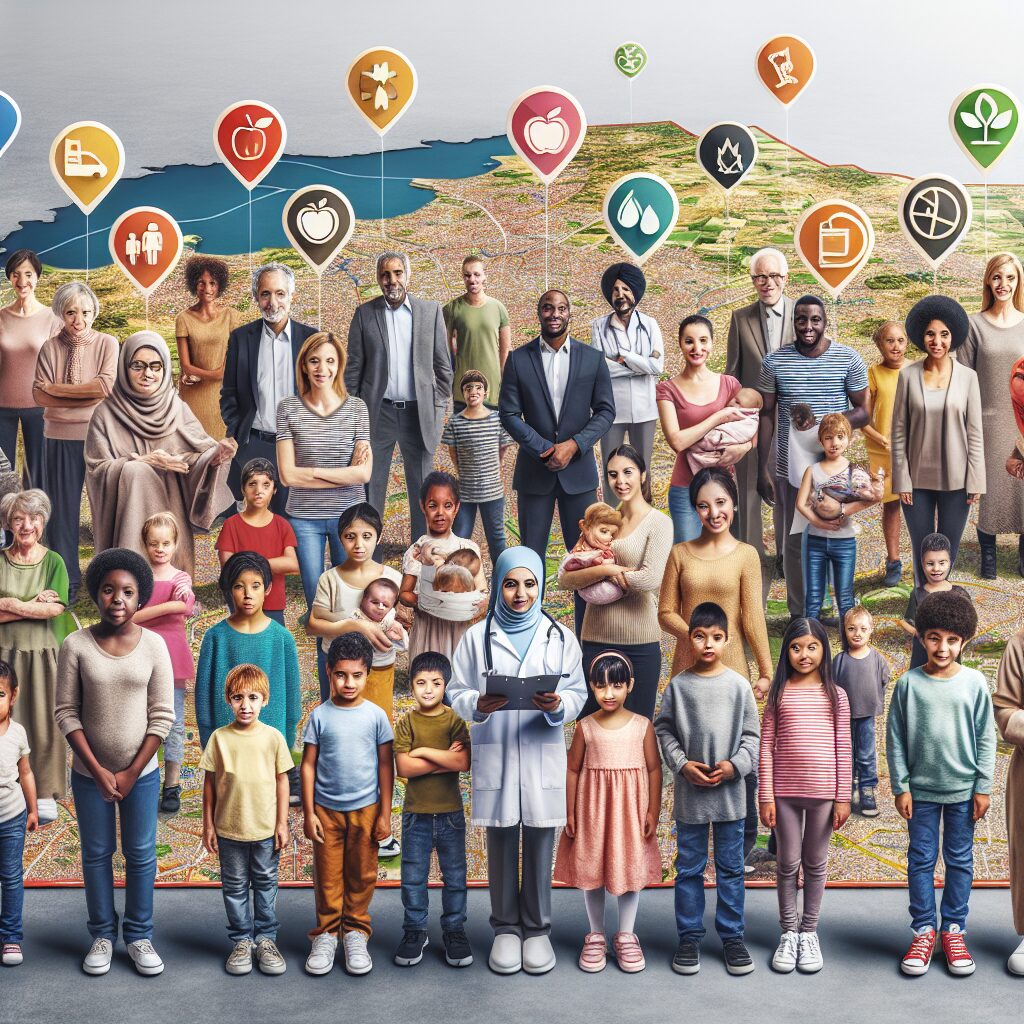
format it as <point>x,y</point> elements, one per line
<point>257,447</point>
<point>646,661</point>
<point>943,512</point>
<point>65,477</point>
<point>520,905</point>
<point>31,420</point>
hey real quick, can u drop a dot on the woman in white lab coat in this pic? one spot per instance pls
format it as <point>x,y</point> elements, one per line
<point>519,757</point>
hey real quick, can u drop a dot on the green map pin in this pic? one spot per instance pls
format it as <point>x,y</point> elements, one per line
<point>640,212</point>
<point>983,121</point>
<point>631,59</point>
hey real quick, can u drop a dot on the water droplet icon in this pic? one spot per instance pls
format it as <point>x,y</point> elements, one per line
<point>649,223</point>
<point>629,212</point>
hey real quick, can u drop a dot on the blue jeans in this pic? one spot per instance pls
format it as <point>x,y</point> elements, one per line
<point>691,860</point>
<point>445,833</point>
<point>685,521</point>
<point>245,865</point>
<point>97,831</point>
<point>865,761</point>
<point>12,885</point>
<point>492,515</point>
<point>174,745</point>
<point>820,553</point>
<point>957,855</point>
<point>310,536</point>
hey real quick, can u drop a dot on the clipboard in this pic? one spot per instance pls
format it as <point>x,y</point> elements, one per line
<point>520,690</point>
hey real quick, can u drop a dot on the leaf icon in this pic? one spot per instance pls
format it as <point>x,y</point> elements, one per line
<point>1002,120</point>
<point>552,114</point>
<point>264,122</point>
<point>986,108</point>
<point>970,120</point>
<point>322,203</point>
<point>628,214</point>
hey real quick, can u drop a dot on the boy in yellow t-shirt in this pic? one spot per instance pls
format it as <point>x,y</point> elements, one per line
<point>245,819</point>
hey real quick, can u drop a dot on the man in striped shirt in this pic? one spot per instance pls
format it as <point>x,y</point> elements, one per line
<point>827,376</point>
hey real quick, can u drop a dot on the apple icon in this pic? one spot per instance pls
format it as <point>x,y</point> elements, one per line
<point>317,222</point>
<point>249,141</point>
<point>547,134</point>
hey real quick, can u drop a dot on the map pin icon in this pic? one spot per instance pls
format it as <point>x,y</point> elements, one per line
<point>935,214</point>
<point>382,84</point>
<point>146,243</point>
<point>87,159</point>
<point>640,212</point>
<point>835,240</point>
<point>10,121</point>
<point>318,221</point>
<point>785,65</point>
<point>546,127</point>
<point>983,121</point>
<point>249,137</point>
<point>726,152</point>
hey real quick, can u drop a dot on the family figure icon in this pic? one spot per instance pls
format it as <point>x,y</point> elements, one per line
<point>150,245</point>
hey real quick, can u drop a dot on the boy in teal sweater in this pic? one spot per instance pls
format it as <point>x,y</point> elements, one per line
<point>941,751</point>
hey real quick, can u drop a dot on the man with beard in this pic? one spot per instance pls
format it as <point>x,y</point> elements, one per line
<point>827,376</point>
<point>635,356</point>
<point>556,403</point>
<point>259,371</point>
<point>399,365</point>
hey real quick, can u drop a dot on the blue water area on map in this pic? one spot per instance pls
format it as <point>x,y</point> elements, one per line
<point>211,203</point>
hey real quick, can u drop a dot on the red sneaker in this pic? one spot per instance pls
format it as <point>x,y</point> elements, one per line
<point>958,960</point>
<point>918,958</point>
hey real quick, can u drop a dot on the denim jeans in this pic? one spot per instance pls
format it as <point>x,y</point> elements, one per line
<point>97,831</point>
<point>445,833</point>
<point>957,855</point>
<point>245,865</point>
<point>492,515</point>
<point>310,537</point>
<point>685,521</point>
<point>821,552</point>
<point>174,745</point>
<point>12,885</point>
<point>691,860</point>
<point>865,760</point>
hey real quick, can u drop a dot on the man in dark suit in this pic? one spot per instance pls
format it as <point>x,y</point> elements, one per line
<point>557,403</point>
<point>400,366</point>
<point>259,371</point>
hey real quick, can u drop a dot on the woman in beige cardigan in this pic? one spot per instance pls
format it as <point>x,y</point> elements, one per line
<point>938,458</point>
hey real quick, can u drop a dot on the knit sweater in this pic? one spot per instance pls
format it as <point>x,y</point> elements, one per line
<point>273,650</point>
<point>117,701</point>
<point>940,736</point>
<point>708,719</point>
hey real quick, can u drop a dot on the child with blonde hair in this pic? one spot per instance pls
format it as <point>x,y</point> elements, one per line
<point>598,528</point>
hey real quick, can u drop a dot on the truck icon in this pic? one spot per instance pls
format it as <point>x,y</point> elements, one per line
<point>80,163</point>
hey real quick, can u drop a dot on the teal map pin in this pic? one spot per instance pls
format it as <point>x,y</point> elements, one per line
<point>983,121</point>
<point>640,212</point>
<point>631,59</point>
<point>10,121</point>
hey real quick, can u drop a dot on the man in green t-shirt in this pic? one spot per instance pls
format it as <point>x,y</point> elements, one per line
<point>478,332</point>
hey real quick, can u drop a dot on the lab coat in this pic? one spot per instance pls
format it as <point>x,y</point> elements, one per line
<point>519,757</point>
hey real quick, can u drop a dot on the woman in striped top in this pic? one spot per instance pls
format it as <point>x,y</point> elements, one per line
<point>805,780</point>
<point>323,453</point>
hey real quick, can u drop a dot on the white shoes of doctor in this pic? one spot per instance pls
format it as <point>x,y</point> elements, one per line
<point>510,954</point>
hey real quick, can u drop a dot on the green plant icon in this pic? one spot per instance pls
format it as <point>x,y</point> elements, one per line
<point>986,116</point>
<point>983,121</point>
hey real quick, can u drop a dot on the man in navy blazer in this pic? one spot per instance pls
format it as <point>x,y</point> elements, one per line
<point>557,403</point>
<point>259,371</point>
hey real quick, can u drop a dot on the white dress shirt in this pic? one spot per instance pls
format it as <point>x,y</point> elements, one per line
<point>401,384</point>
<point>556,370</point>
<point>275,372</point>
<point>771,322</point>
<point>643,353</point>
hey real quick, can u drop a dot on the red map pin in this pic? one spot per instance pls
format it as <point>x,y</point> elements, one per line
<point>249,138</point>
<point>146,243</point>
<point>546,127</point>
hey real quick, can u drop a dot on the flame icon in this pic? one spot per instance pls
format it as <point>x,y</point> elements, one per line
<point>729,159</point>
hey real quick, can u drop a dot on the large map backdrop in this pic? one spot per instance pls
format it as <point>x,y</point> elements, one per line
<point>701,267</point>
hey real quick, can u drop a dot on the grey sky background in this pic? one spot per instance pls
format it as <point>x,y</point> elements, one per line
<point>159,73</point>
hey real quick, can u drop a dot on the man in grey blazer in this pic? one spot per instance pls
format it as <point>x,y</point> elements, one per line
<point>399,365</point>
<point>755,330</point>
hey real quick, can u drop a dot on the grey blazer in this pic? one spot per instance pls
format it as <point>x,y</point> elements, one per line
<point>366,369</point>
<point>747,347</point>
<point>960,462</point>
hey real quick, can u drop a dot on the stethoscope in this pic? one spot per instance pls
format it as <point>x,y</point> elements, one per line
<point>488,657</point>
<point>640,326</point>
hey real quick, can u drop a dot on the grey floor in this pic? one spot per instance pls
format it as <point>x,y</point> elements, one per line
<point>863,932</point>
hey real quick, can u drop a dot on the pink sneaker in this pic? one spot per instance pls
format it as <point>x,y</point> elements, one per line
<point>593,957</point>
<point>628,952</point>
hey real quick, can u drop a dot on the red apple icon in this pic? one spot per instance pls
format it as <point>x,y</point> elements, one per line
<point>249,141</point>
<point>547,134</point>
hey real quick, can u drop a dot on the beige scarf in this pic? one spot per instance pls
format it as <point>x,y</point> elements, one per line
<point>74,343</point>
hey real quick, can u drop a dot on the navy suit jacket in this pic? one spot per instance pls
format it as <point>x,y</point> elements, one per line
<point>240,387</point>
<point>528,414</point>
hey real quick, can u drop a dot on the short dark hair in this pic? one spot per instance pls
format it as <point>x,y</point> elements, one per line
<point>473,377</point>
<point>936,542</point>
<point>7,672</point>
<point>696,318</point>
<point>199,265</point>
<point>809,300</point>
<point>438,478</point>
<point>23,256</point>
<point>382,581</point>
<point>714,475</point>
<point>350,647</point>
<point>115,560</point>
<point>239,562</point>
<point>949,610</point>
<point>611,667</point>
<point>361,510</point>
<point>431,661</point>
<point>708,615</point>
<point>259,467</point>
<point>548,291</point>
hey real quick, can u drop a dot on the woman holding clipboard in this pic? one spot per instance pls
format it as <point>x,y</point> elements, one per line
<point>517,679</point>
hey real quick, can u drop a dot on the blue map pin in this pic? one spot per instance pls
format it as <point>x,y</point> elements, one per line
<point>10,121</point>
<point>640,212</point>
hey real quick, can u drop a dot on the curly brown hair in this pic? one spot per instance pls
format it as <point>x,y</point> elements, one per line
<point>199,265</point>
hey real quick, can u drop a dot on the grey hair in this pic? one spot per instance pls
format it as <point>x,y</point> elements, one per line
<point>268,268</point>
<point>32,502</point>
<point>385,256</point>
<point>762,253</point>
<point>68,292</point>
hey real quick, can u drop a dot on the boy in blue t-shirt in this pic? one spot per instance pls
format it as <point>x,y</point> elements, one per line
<point>348,780</point>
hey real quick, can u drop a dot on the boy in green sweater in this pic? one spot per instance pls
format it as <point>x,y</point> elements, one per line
<point>941,754</point>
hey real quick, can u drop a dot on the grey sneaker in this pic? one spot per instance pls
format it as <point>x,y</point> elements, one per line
<point>868,803</point>
<point>239,961</point>
<point>268,958</point>
<point>97,960</point>
<point>321,954</point>
<point>146,959</point>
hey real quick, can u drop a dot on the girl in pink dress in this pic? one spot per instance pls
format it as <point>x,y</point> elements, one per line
<point>613,797</point>
<point>165,613</point>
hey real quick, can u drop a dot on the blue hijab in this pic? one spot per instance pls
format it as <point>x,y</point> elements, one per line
<point>519,627</point>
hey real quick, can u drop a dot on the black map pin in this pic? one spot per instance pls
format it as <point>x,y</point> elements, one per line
<point>726,152</point>
<point>935,214</point>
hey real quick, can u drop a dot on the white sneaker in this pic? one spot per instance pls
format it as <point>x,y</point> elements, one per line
<point>1015,964</point>
<point>146,959</point>
<point>12,955</point>
<point>269,958</point>
<point>357,956</point>
<point>46,808</point>
<point>538,956</point>
<point>97,960</point>
<point>785,957</point>
<point>808,956</point>
<point>239,960</point>
<point>321,954</point>
<point>389,847</point>
<point>506,954</point>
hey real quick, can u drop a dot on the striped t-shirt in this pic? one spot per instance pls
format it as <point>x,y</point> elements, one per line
<point>477,444</point>
<point>824,384</point>
<point>326,442</point>
<point>804,751</point>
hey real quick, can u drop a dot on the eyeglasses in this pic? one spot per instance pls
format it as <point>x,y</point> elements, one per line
<point>137,366</point>
<point>762,279</point>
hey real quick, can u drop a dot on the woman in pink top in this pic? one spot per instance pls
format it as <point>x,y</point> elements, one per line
<point>24,325</point>
<point>805,778</point>
<point>690,404</point>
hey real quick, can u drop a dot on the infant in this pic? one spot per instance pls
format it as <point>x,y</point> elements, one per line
<point>843,488</point>
<point>598,528</point>
<point>379,604</point>
<point>709,449</point>
<point>457,573</point>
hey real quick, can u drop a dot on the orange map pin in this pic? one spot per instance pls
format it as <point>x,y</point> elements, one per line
<point>87,159</point>
<point>146,243</point>
<point>382,85</point>
<point>835,240</point>
<point>785,65</point>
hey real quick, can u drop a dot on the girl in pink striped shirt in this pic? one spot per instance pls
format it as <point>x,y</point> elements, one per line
<point>804,784</point>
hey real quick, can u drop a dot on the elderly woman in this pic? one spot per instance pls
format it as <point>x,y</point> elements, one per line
<point>201,332</point>
<point>33,595</point>
<point>146,452</point>
<point>73,374</point>
<point>24,326</point>
<point>938,457</point>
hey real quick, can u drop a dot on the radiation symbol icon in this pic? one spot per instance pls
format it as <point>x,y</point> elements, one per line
<point>935,215</point>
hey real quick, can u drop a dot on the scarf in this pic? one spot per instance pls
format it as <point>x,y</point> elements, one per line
<point>519,627</point>
<point>158,414</point>
<point>74,343</point>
